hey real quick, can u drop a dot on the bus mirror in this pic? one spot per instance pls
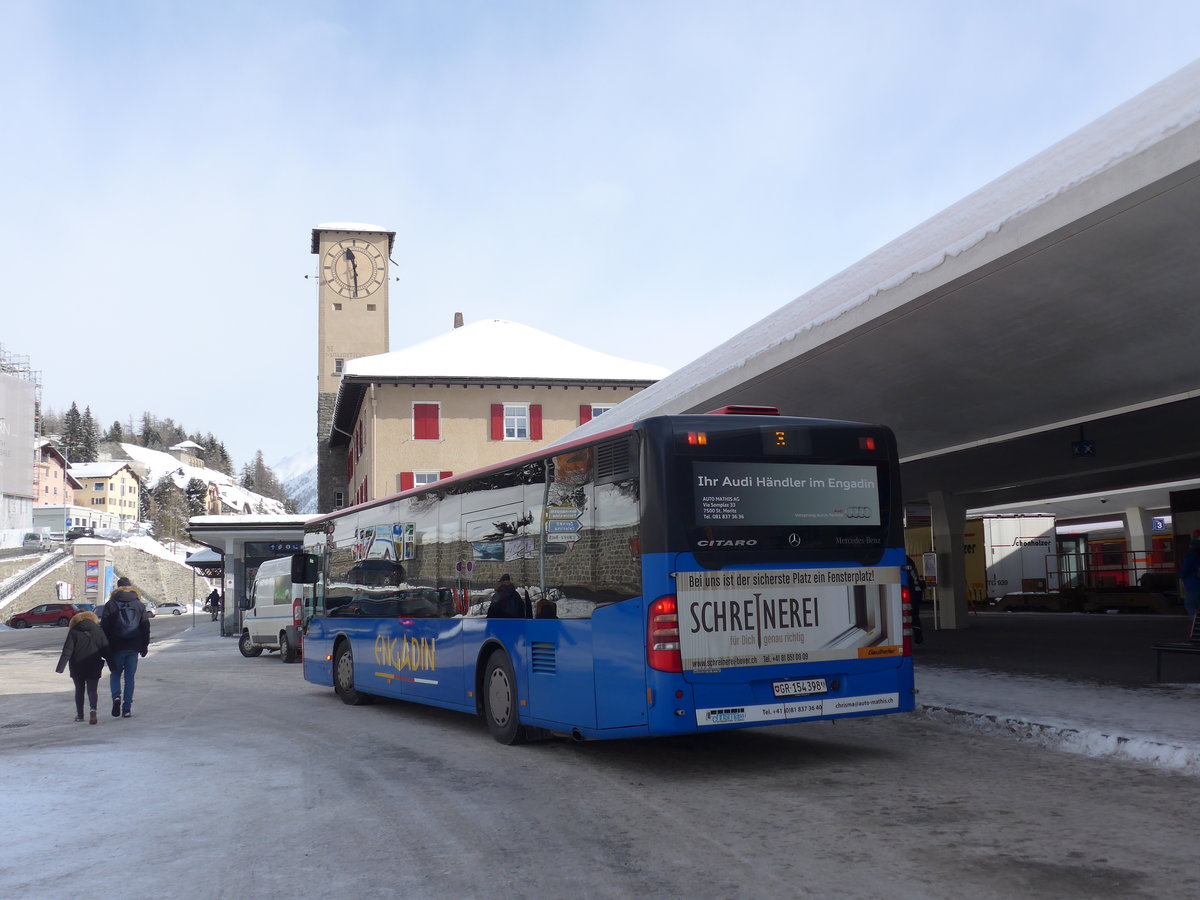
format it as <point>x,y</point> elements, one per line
<point>304,568</point>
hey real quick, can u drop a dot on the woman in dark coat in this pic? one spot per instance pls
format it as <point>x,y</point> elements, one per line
<point>84,651</point>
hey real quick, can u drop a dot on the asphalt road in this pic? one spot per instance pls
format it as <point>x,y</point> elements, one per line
<point>237,779</point>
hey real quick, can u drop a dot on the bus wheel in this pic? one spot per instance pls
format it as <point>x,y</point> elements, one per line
<point>500,700</point>
<point>248,647</point>
<point>286,651</point>
<point>343,677</point>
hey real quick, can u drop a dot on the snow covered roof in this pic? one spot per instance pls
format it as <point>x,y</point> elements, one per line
<point>187,445</point>
<point>497,348</point>
<point>351,226</point>
<point>102,469</point>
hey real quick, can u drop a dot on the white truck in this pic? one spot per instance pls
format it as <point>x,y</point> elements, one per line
<point>1007,554</point>
<point>273,612</point>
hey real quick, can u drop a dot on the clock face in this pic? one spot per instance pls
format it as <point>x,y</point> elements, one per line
<point>354,268</point>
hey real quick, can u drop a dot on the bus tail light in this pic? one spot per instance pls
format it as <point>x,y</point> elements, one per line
<point>662,636</point>
<point>906,615</point>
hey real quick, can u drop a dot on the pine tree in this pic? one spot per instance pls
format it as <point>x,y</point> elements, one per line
<point>89,436</point>
<point>169,511</point>
<point>72,436</point>
<point>115,434</point>
<point>196,493</point>
<point>150,438</point>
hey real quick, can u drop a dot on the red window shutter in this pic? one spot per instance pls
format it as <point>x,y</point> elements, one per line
<point>497,421</point>
<point>349,465</point>
<point>425,422</point>
<point>535,421</point>
<point>585,413</point>
<point>406,481</point>
<point>444,474</point>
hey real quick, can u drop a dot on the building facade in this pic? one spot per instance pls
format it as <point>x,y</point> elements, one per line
<point>480,394</point>
<point>108,487</point>
<point>53,484</point>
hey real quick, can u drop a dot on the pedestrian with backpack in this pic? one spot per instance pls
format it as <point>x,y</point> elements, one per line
<point>127,626</point>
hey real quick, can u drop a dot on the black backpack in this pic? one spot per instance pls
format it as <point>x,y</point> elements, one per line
<point>126,619</point>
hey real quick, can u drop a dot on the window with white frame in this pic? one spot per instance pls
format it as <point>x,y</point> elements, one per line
<point>516,422</point>
<point>420,478</point>
<point>598,408</point>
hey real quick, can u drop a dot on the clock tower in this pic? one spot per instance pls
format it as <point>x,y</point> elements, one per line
<point>352,321</point>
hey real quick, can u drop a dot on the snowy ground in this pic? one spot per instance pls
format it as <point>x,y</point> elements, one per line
<point>213,767</point>
<point>1154,724</point>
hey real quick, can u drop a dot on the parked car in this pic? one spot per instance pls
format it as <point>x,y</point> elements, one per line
<point>151,609</point>
<point>77,531</point>
<point>175,609</point>
<point>58,537</point>
<point>36,541</point>
<point>46,614</point>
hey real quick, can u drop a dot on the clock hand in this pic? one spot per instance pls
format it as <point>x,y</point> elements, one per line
<point>354,268</point>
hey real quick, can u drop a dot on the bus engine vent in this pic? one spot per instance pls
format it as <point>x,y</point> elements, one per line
<point>542,657</point>
<point>614,460</point>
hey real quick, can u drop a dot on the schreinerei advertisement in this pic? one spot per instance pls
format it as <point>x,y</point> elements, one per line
<point>731,619</point>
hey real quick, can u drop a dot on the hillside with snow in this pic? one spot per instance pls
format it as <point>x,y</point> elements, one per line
<point>163,465</point>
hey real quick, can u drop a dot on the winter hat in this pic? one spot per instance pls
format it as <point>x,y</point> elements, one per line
<point>124,582</point>
<point>504,578</point>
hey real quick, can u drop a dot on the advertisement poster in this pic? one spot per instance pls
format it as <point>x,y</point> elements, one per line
<point>766,617</point>
<point>731,493</point>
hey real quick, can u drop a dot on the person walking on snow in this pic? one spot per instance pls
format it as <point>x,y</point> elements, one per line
<point>84,651</point>
<point>127,627</point>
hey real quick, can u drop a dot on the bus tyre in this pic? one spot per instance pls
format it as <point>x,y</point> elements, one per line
<point>248,647</point>
<point>500,700</point>
<point>287,652</point>
<point>343,677</point>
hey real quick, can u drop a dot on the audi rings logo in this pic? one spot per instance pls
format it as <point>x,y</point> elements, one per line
<point>858,512</point>
<point>794,539</point>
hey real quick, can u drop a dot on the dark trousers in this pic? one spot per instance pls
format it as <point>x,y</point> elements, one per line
<point>80,683</point>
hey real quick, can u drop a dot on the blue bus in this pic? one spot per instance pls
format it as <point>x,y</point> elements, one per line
<point>679,574</point>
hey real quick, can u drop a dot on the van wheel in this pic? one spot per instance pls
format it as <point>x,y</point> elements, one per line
<point>247,646</point>
<point>343,677</point>
<point>500,700</point>
<point>286,651</point>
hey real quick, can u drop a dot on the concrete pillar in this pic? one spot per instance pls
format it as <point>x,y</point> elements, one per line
<point>95,577</point>
<point>949,515</point>
<point>1138,525</point>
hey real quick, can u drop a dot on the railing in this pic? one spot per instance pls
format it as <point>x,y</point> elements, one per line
<point>1101,569</point>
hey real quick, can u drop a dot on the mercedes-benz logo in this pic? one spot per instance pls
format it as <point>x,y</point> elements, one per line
<point>794,539</point>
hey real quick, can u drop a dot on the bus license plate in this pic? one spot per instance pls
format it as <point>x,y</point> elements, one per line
<point>800,688</point>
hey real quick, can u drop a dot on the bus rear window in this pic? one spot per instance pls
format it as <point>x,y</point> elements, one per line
<point>784,494</point>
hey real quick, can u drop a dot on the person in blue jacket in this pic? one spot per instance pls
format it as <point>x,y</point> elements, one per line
<point>1189,574</point>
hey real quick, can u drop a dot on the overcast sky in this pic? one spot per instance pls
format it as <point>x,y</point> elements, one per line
<point>644,178</point>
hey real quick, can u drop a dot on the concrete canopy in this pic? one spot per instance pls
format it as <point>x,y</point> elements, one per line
<point>1051,306</point>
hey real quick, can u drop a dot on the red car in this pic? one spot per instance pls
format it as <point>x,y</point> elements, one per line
<point>46,614</point>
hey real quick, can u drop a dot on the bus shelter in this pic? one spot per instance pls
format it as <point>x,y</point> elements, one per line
<point>244,543</point>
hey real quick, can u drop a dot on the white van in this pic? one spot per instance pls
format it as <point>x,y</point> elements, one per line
<point>272,614</point>
<point>36,541</point>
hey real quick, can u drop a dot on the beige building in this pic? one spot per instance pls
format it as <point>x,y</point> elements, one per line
<point>108,487</point>
<point>479,394</point>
